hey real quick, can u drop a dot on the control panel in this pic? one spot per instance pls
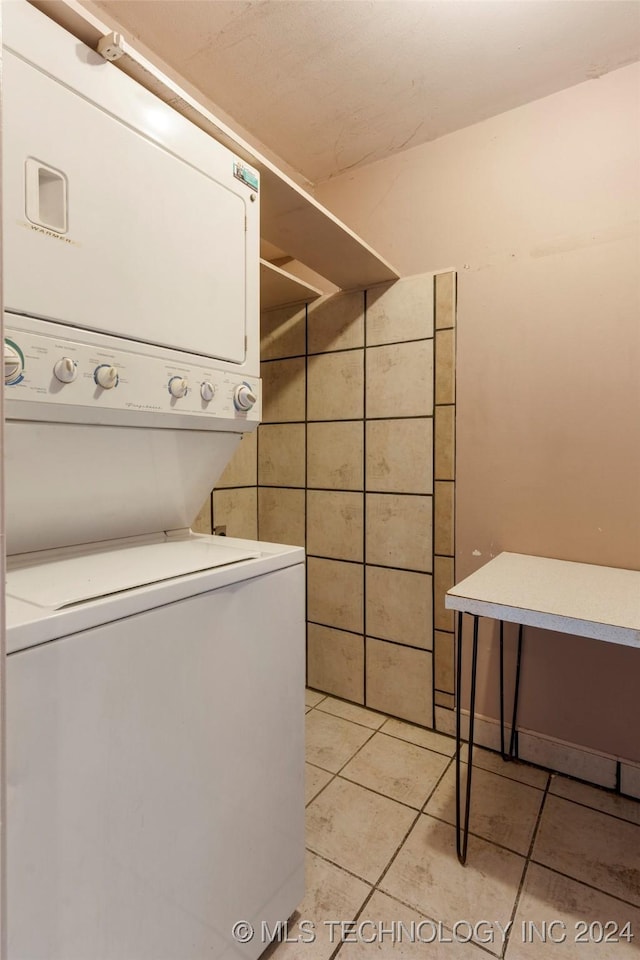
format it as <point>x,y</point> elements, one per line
<point>40,367</point>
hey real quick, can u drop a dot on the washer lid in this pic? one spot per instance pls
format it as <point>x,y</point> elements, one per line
<point>69,580</point>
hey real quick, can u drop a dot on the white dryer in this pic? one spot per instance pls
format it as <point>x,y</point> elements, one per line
<point>120,216</point>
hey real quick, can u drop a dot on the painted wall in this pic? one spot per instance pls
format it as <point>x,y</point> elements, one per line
<point>537,210</point>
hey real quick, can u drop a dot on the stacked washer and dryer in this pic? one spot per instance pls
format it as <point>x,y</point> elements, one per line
<point>155,677</point>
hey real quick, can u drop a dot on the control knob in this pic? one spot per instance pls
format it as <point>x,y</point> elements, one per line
<point>207,391</point>
<point>106,376</point>
<point>178,387</point>
<point>244,397</point>
<point>65,370</point>
<point>13,362</point>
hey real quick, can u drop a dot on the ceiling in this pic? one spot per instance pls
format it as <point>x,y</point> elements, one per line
<point>329,85</point>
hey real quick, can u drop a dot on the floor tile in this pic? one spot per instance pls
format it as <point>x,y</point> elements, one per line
<point>548,896</point>
<point>421,737</point>
<point>330,894</point>
<point>332,741</point>
<point>314,780</point>
<point>426,874</point>
<point>313,697</point>
<point>502,810</point>
<point>514,769</point>
<point>590,846</point>
<point>596,798</point>
<point>398,769</point>
<point>355,828</point>
<point>350,711</point>
<point>387,928</point>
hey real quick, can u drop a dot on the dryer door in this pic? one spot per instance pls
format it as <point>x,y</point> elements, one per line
<point>113,227</point>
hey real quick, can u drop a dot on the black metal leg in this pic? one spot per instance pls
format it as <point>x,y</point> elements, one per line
<point>502,753</point>
<point>513,739</point>
<point>463,837</point>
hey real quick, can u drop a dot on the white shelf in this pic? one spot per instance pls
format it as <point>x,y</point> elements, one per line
<point>279,288</point>
<point>290,217</point>
<point>294,221</point>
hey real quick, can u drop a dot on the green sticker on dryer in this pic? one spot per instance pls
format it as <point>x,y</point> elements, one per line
<point>246,174</point>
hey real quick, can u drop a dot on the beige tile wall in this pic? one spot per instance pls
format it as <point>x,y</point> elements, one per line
<point>344,464</point>
<point>444,485</point>
<point>202,523</point>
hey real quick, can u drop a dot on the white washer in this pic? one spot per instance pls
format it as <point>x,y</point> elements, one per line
<point>155,775</point>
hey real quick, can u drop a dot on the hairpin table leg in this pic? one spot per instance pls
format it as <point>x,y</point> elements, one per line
<point>513,740</point>
<point>463,836</point>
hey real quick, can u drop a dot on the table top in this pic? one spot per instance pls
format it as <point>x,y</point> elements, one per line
<point>578,598</point>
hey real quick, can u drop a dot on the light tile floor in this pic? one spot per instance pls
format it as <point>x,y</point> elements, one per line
<point>554,861</point>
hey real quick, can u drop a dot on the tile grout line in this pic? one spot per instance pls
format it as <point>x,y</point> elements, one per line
<point>378,566</point>
<point>420,746</point>
<point>350,873</point>
<point>364,496</point>
<point>354,755</point>
<point>385,796</point>
<point>402,416</point>
<point>409,906</point>
<point>372,733</point>
<point>378,493</point>
<point>478,836</point>
<point>447,736</point>
<point>357,722</point>
<point>373,346</point>
<point>605,813</point>
<point>527,861</point>
<point>357,916</point>
<point>441,778</point>
<point>584,883</point>
<point>306,468</point>
<point>337,773</point>
<point>375,887</point>
<point>452,478</point>
<point>380,729</point>
<point>434,657</point>
<point>371,636</point>
<point>445,926</point>
<point>378,793</point>
<point>316,795</point>
<point>528,858</point>
<point>506,776</point>
<point>411,826</point>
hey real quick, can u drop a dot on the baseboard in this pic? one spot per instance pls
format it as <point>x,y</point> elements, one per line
<point>600,769</point>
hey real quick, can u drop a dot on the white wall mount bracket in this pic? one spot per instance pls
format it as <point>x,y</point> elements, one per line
<point>111,46</point>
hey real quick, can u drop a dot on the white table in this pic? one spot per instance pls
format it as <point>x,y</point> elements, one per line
<point>577,598</point>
